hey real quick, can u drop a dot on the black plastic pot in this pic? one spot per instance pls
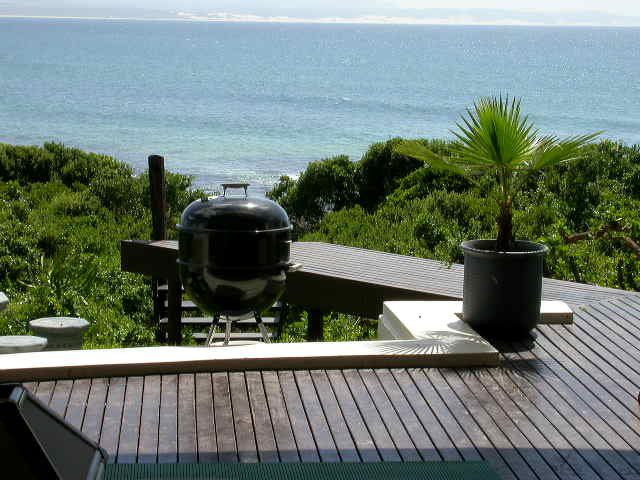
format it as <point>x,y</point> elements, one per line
<point>502,290</point>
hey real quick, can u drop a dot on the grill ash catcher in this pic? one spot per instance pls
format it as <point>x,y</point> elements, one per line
<point>233,256</point>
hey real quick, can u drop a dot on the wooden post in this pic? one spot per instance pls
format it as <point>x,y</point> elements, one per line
<point>315,326</point>
<point>174,315</point>
<point>158,190</point>
<point>158,204</point>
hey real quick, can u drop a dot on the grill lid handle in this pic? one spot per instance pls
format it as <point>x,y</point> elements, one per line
<point>234,185</point>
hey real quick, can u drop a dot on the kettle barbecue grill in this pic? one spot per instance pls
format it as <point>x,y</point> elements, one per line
<point>233,256</point>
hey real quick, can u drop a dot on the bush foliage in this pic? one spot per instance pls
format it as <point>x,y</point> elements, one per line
<point>421,212</point>
<point>63,213</point>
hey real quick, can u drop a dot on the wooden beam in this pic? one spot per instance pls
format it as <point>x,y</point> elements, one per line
<point>313,291</point>
<point>259,356</point>
<point>155,259</point>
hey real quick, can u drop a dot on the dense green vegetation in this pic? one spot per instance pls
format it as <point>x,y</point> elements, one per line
<point>63,213</point>
<point>587,211</point>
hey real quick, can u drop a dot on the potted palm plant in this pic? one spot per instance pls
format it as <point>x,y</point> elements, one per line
<point>502,276</point>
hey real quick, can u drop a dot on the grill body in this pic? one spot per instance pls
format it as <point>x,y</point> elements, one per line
<point>234,253</point>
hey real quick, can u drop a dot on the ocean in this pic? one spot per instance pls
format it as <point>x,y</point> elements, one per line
<point>251,102</point>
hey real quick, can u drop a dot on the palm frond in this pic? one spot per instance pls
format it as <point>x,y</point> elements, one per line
<point>415,149</point>
<point>494,136</point>
<point>551,151</point>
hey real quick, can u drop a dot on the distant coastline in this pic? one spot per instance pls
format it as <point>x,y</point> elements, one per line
<point>223,17</point>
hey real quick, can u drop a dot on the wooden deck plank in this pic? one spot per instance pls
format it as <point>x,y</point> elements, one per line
<point>468,383</point>
<point>342,276</point>
<point>149,420</point>
<point>318,422</point>
<point>621,356</point>
<point>392,421</point>
<point>242,420</point>
<point>261,416</point>
<point>307,448</point>
<point>591,375</point>
<point>381,436</point>
<point>168,429</point>
<point>614,355</point>
<point>422,410</point>
<point>130,424</point>
<point>542,434</point>
<point>465,447</point>
<point>32,387</point>
<point>60,396</point>
<point>380,267</point>
<point>283,432</point>
<point>532,386</point>
<point>479,423</point>
<point>225,432</point>
<point>333,386</point>
<point>187,437</point>
<point>406,415</point>
<point>205,419</point>
<point>526,419</point>
<point>344,441</point>
<point>462,420</point>
<point>577,429</point>
<point>314,255</point>
<point>44,391</point>
<point>112,419</point>
<point>632,300</point>
<point>583,408</point>
<point>566,409</point>
<point>620,313</point>
<point>78,402</point>
<point>94,413</point>
<point>606,322</point>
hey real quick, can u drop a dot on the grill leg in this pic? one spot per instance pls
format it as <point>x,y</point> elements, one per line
<point>212,328</point>
<point>227,332</point>
<point>263,329</point>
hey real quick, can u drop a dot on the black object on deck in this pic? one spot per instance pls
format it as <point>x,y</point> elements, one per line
<point>36,443</point>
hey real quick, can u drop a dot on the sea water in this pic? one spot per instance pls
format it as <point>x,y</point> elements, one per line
<point>251,102</point>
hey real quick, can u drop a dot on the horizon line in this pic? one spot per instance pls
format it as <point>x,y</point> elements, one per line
<point>368,20</point>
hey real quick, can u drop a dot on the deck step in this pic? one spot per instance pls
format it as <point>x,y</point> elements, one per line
<point>165,288</point>
<point>200,336</point>
<point>186,305</point>
<point>189,305</point>
<point>207,321</point>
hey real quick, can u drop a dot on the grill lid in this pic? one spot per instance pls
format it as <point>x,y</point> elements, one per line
<point>238,213</point>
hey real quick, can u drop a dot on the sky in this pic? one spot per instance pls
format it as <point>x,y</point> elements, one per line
<point>557,12</point>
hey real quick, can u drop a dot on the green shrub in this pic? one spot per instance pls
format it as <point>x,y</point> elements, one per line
<point>325,186</point>
<point>428,231</point>
<point>64,212</point>
<point>380,170</point>
<point>429,214</point>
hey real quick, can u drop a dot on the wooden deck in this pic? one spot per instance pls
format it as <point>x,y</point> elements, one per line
<point>349,280</point>
<point>567,408</point>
